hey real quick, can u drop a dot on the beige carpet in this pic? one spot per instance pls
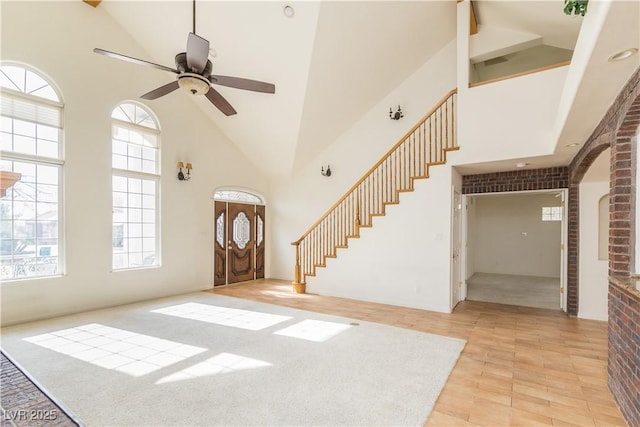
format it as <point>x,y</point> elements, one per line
<point>527,291</point>
<point>205,359</point>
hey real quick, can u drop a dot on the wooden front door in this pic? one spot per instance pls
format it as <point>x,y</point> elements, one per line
<point>239,242</point>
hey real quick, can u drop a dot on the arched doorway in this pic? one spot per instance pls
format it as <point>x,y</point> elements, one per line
<point>239,236</point>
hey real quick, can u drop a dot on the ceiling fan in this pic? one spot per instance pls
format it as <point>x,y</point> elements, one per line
<point>193,70</point>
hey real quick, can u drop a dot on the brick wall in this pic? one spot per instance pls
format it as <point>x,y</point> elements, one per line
<point>624,350</point>
<point>617,130</point>
<point>518,180</point>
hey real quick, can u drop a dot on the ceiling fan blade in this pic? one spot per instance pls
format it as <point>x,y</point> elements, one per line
<point>219,101</point>
<point>245,84</point>
<point>161,91</point>
<point>133,60</point>
<point>197,52</point>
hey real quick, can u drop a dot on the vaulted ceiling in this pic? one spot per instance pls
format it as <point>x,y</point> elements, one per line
<point>330,62</point>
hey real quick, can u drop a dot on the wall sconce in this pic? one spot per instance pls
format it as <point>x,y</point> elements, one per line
<point>325,173</point>
<point>397,115</point>
<point>181,175</point>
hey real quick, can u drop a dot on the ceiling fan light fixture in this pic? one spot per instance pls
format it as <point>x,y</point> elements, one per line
<point>193,83</point>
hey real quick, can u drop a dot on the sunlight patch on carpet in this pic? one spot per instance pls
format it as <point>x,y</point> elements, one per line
<point>313,330</point>
<point>223,363</point>
<point>245,319</point>
<point>112,348</point>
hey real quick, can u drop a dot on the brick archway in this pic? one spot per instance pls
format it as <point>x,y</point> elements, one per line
<point>578,168</point>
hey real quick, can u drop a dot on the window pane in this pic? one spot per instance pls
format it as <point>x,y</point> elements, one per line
<point>135,164</point>
<point>119,147</point>
<point>148,187</point>
<point>135,215</point>
<point>48,133</point>
<point>119,183</point>
<point>47,149</point>
<point>148,167</point>
<point>6,141</point>
<point>119,162</point>
<point>47,174</point>
<point>135,230</point>
<point>135,185</point>
<point>119,200</point>
<point>24,144</point>
<point>148,202</point>
<point>23,128</point>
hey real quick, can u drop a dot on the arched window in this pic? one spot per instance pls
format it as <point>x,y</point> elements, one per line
<point>31,167</point>
<point>237,196</point>
<point>135,184</point>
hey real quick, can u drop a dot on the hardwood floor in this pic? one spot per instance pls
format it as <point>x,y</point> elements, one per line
<point>521,366</point>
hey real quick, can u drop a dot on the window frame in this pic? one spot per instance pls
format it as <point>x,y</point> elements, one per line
<point>143,176</point>
<point>36,160</point>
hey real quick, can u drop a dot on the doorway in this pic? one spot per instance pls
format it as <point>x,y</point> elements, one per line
<point>514,248</point>
<point>239,242</point>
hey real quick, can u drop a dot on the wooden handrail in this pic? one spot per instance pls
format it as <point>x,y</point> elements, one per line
<point>374,167</point>
<point>423,146</point>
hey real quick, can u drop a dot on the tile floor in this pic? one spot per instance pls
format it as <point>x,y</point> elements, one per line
<point>527,291</point>
<point>521,366</point>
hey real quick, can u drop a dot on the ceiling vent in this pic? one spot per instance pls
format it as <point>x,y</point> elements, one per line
<point>494,61</point>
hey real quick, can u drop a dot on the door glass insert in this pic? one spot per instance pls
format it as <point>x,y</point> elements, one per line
<point>260,231</point>
<point>241,230</point>
<point>220,230</point>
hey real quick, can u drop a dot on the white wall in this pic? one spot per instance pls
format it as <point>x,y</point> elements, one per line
<point>298,202</point>
<point>593,275</point>
<point>404,259</point>
<point>511,238</point>
<point>519,122</point>
<point>92,85</point>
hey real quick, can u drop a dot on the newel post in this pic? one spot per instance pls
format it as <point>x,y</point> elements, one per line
<point>298,286</point>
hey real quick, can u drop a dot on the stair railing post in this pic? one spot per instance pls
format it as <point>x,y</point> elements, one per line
<point>298,286</point>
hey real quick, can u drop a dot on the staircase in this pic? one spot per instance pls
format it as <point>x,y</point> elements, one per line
<point>425,145</point>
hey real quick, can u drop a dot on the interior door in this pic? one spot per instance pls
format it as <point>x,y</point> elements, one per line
<point>563,257</point>
<point>240,242</point>
<point>260,242</point>
<point>219,245</point>
<point>455,248</point>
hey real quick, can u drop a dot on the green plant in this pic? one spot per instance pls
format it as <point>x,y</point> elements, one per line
<point>576,7</point>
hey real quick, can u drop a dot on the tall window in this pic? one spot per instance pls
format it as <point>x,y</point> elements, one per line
<point>135,184</point>
<point>31,159</point>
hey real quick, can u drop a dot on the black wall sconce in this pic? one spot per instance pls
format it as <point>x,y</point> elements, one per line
<point>327,172</point>
<point>397,115</point>
<point>184,176</point>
